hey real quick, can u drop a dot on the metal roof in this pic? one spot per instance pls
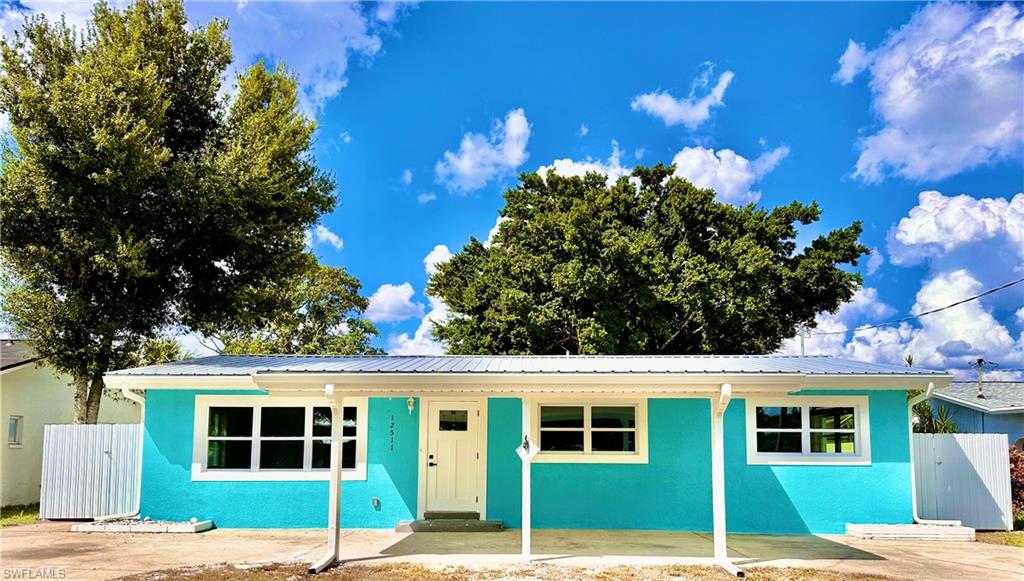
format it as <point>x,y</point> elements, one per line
<point>247,365</point>
<point>15,352</point>
<point>1004,396</point>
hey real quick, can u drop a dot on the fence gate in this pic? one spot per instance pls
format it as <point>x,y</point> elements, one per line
<point>89,470</point>
<point>964,477</point>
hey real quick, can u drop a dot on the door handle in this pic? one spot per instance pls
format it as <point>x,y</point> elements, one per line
<point>431,463</point>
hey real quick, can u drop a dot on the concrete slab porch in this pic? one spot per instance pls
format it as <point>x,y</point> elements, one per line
<point>111,555</point>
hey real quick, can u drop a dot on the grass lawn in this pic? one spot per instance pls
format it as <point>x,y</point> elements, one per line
<point>411,572</point>
<point>1014,539</point>
<point>19,514</point>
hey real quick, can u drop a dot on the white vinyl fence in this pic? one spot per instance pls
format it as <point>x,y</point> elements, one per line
<point>964,477</point>
<point>89,470</point>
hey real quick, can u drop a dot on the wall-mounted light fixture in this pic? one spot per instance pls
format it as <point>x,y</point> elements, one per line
<point>411,404</point>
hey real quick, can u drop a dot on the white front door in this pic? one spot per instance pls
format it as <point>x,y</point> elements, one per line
<point>453,455</point>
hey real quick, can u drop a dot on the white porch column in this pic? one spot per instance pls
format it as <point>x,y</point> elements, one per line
<point>334,488</point>
<point>526,451</point>
<point>718,478</point>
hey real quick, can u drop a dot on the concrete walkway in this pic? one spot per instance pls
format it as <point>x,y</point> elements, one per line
<point>52,546</point>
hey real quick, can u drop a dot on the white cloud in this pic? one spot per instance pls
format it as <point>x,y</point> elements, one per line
<point>494,230</point>
<point>345,137</point>
<point>875,261</point>
<point>426,198</point>
<point>392,303</point>
<point>639,153</point>
<point>691,111</point>
<point>947,89</point>
<point>436,257</point>
<point>323,235</point>
<point>407,176</point>
<point>483,158</point>
<point>583,129</point>
<point>731,175</point>
<point>422,342</point>
<point>612,167</point>
<point>853,61</point>
<point>5,123</point>
<point>941,224</point>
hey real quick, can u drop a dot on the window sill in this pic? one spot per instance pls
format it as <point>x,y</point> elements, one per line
<point>15,446</point>
<point>554,458</point>
<point>808,461</point>
<point>200,475</point>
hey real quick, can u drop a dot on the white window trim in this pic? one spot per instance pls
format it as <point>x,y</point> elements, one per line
<point>201,420</point>
<point>861,432</point>
<point>637,457</point>
<point>19,436</point>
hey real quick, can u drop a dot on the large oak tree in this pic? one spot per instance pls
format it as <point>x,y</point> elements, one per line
<point>137,197</point>
<point>648,265</point>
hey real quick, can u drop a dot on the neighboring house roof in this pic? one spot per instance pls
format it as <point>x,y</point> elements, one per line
<point>15,352</point>
<point>1001,397</point>
<point>246,365</point>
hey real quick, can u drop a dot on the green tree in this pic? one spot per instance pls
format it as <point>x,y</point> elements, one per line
<point>323,317</point>
<point>650,265</point>
<point>136,199</point>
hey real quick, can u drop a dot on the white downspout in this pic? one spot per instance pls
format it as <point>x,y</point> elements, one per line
<point>141,400</point>
<point>334,489</point>
<point>718,480</point>
<point>526,451</point>
<point>910,440</point>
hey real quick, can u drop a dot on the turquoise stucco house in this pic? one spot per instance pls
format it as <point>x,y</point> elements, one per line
<point>766,444</point>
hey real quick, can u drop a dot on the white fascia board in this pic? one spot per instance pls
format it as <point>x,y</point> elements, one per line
<point>144,382</point>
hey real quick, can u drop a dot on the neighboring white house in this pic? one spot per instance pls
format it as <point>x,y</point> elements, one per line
<point>32,395</point>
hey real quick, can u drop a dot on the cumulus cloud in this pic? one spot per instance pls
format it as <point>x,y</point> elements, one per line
<point>947,89</point>
<point>853,61</point>
<point>612,167</point>
<point>482,158</point>
<point>494,230</point>
<point>436,257</point>
<point>407,176</point>
<point>392,303</point>
<point>692,110</point>
<point>422,342</point>
<point>875,261</point>
<point>583,129</point>
<point>322,234</point>
<point>731,175</point>
<point>426,198</point>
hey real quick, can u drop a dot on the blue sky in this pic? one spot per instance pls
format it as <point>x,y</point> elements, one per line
<point>427,112</point>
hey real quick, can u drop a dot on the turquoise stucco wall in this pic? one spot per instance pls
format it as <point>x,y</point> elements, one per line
<point>673,491</point>
<point>168,491</point>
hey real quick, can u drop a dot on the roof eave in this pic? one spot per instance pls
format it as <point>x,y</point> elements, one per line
<point>977,406</point>
<point>524,382</point>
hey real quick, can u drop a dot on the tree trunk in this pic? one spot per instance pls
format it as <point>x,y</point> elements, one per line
<point>88,393</point>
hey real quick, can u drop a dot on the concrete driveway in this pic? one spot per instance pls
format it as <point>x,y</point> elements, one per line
<point>52,548</point>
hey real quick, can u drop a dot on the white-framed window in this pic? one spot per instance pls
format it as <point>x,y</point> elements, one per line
<point>591,431</point>
<point>275,438</point>
<point>808,430</point>
<point>15,431</point>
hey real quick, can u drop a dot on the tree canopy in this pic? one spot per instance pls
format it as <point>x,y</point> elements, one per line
<point>324,317</point>
<point>650,264</point>
<point>136,197</point>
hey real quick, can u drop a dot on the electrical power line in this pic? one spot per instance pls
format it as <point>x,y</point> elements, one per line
<point>919,315</point>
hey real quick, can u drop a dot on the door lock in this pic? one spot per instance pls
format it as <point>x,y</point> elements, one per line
<point>431,463</point>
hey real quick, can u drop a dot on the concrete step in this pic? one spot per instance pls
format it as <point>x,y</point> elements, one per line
<point>914,532</point>
<point>450,514</point>
<point>449,525</point>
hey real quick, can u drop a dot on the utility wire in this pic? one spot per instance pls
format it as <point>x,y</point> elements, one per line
<point>919,315</point>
